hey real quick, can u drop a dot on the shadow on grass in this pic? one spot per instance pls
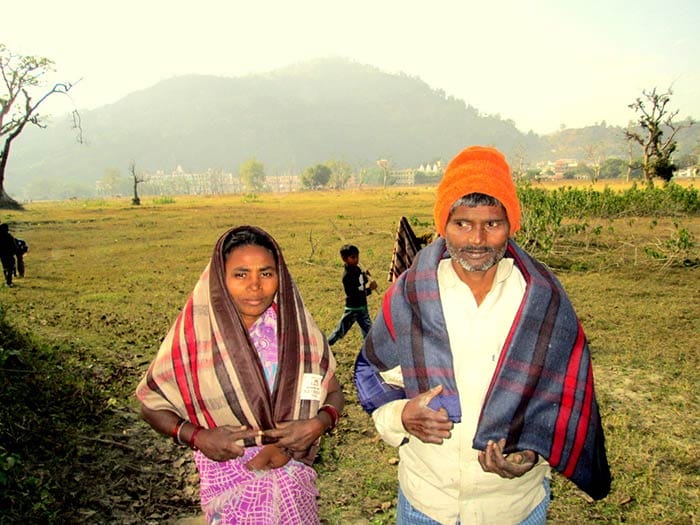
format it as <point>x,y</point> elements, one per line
<point>48,404</point>
<point>69,453</point>
<point>42,403</point>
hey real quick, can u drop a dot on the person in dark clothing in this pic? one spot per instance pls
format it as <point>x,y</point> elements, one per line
<point>8,250</point>
<point>22,248</point>
<point>358,286</point>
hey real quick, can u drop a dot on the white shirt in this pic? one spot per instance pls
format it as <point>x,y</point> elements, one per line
<point>446,481</point>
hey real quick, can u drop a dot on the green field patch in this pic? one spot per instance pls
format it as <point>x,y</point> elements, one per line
<point>105,297</point>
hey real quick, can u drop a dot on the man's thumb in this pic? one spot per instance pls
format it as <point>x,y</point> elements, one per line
<point>427,397</point>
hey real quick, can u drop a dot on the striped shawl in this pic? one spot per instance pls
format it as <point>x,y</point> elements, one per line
<point>208,371</point>
<point>406,246</point>
<point>541,396</point>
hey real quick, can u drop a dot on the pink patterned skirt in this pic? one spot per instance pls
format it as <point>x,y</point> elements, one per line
<point>232,494</point>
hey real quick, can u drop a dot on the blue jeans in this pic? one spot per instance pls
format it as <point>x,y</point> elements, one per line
<point>407,514</point>
<point>350,317</point>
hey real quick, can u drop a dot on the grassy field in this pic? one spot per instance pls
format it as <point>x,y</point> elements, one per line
<point>105,280</point>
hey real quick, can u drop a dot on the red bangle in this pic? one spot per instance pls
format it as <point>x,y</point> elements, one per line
<point>176,431</point>
<point>194,435</point>
<point>333,413</point>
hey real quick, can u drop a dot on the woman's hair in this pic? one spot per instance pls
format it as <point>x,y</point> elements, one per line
<point>239,238</point>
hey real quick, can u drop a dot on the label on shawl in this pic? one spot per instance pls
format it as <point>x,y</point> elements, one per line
<point>311,387</point>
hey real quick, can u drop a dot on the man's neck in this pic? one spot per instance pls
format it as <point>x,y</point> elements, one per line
<point>479,282</point>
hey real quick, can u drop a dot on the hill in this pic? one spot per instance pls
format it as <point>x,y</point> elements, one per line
<point>288,119</point>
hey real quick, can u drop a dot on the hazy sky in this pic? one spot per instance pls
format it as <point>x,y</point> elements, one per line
<point>543,63</point>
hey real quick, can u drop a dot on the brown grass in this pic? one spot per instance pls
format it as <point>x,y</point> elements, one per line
<point>106,279</point>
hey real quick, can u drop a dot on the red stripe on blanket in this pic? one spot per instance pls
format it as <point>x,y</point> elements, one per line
<point>386,311</point>
<point>178,364</point>
<point>584,417</point>
<point>191,338</point>
<point>567,403</point>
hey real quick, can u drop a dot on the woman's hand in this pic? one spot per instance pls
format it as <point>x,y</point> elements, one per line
<point>219,444</point>
<point>297,436</point>
<point>508,466</point>
<point>223,443</point>
<point>269,457</point>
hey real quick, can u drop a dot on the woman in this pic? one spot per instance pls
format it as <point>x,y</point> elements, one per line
<point>246,379</point>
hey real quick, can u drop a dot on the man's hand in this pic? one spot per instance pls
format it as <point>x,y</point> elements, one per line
<point>428,425</point>
<point>508,466</point>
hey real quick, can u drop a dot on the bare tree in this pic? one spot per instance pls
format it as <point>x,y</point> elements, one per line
<point>136,201</point>
<point>654,118</point>
<point>384,165</point>
<point>19,106</point>
<point>594,154</point>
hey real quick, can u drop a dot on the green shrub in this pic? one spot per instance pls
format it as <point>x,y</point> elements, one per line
<point>543,211</point>
<point>163,200</point>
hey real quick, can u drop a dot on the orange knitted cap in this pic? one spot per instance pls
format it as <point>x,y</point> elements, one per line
<point>477,169</point>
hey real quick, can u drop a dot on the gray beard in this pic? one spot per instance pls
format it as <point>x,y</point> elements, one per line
<point>456,254</point>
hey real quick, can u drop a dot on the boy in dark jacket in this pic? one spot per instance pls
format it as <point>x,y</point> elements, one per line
<point>8,250</point>
<point>357,287</point>
<point>22,248</point>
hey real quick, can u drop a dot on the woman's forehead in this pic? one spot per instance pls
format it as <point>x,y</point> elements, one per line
<point>251,255</point>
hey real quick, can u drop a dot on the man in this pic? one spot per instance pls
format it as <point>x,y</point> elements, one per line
<point>495,383</point>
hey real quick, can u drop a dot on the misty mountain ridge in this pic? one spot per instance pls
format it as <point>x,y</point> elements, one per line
<point>288,119</point>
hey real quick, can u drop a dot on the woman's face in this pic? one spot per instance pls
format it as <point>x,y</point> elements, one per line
<point>251,280</point>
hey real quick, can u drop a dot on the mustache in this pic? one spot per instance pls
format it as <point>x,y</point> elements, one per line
<point>475,249</point>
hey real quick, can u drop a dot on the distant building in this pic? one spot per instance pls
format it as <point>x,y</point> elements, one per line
<point>283,183</point>
<point>687,173</point>
<point>424,174</point>
<point>403,177</point>
<point>181,182</point>
<point>561,166</point>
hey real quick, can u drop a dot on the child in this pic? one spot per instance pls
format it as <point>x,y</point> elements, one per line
<point>8,250</point>
<point>357,287</point>
<point>22,248</point>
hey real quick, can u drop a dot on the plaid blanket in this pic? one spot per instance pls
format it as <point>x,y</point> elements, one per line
<point>541,396</point>
<point>208,371</point>
<point>406,246</point>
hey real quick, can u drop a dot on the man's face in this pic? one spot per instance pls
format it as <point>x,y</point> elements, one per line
<point>476,237</point>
